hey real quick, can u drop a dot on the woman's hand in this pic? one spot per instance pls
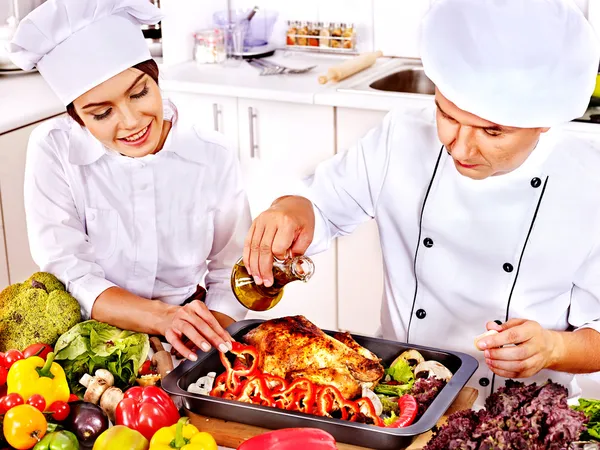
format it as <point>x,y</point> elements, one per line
<point>534,349</point>
<point>286,227</point>
<point>195,322</point>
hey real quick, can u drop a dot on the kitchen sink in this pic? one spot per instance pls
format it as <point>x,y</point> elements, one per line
<point>410,80</point>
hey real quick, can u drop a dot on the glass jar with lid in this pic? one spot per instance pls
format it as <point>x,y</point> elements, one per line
<point>209,46</point>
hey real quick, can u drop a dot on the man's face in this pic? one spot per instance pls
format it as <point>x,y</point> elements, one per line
<point>480,148</point>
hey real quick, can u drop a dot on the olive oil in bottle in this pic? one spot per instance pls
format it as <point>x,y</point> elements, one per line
<point>260,298</point>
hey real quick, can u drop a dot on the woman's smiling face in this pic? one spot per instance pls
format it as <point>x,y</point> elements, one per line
<point>125,113</point>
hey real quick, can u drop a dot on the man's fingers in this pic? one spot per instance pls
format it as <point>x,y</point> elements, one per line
<point>253,260</point>
<point>515,335</point>
<point>176,343</point>
<point>283,239</point>
<point>265,259</point>
<point>511,323</point>
<point>512,353</point>
<point>302,242</point>
<point>504,373</point>
<point>519,369</point>
<point>247,244</point>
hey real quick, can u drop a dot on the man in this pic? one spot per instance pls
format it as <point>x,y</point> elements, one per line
<point>487,217</point>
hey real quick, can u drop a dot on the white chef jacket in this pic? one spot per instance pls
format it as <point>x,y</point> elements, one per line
<point>156,226</point>
<point>459,252</point>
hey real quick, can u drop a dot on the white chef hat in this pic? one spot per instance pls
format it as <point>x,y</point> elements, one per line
<point>78,44</point>
<point>521,63</point>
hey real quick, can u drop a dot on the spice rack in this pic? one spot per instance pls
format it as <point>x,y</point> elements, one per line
<point>320,37</point>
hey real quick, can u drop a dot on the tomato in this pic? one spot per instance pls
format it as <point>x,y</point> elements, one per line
<point>146,368</point>
<point>3,375</point>
<point>60,410</point>
<point>24,426</point>
<point>40,350</point>
<point>11,357</point>
<point>2,359</point>
<point>37,401</point>
<point>73,398</point>
<point>10,401</point>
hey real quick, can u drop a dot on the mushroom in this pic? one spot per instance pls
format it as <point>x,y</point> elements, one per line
<point>109,401</point>
<point>481,336</point>
<point>377,405</point>
<point>96,385</point>
<point>204,384</point>
<point>100,390</point>
<point>429,369</point>
<point>412,357</point>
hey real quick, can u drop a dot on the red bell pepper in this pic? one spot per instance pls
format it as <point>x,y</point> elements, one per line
<point>408,412</point>
<point>219,387</point>
<point>256,391</point>
<point>146,410</point>
<point>330,399</point>
<point>291,439</point>
<point>234,378</point>
<point>275,383</point>
<point>298,396</point>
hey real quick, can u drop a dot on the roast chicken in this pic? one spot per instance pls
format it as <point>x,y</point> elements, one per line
<point>293,347</point>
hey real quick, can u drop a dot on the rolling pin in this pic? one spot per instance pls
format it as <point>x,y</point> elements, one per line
<point>350,67</point>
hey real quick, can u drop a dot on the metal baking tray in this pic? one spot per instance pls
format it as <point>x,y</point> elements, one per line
<point>460,364</point>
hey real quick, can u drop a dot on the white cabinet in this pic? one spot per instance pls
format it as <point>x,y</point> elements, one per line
<point>281,143</point>
<point>359,265</point>
<point>209,111</point>
<point>13,150</point>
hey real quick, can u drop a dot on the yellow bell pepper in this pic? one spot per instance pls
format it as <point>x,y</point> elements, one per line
<point>182,436</point>
<point>35,376</point>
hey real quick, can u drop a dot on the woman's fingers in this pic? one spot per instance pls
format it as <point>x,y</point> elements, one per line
<point>247,247</point>
<point>176,343</point>
<point>253,259</point>
<point>265,257</point>
<point>204,313</point>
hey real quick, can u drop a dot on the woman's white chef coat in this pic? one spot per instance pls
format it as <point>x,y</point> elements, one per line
<point>459,252</point>
<point>156,226</point>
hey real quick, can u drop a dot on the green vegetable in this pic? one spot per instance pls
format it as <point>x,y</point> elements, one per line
<point>390,420</point>
<point>95,345</point>
<point>390,405</point>
<point>401,372</point>
<point>37,310</point>
<point>591,408</point>
<point>58,440</point>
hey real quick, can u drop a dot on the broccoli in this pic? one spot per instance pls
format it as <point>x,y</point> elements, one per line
<point>38,310</point>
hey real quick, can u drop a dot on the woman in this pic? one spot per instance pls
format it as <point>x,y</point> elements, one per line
<point>125,202</point>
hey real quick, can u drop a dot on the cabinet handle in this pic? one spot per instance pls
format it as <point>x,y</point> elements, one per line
<point>253,144</point>
<point>217,116</point>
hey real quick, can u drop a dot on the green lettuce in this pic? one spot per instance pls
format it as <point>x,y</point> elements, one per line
<point>390,420</point>
<point>93,345</point>
<point>400,372</point>
<point>591,408</point>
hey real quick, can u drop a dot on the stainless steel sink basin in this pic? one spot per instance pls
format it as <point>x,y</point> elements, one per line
<point>410,80</point>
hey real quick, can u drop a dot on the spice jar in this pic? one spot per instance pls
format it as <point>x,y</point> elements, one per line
<point>302,38</point>
<point>336,35</point>
<point>324,35</point>
<point>292,31</point>
<point>348,37</point>
<point>313,32</point>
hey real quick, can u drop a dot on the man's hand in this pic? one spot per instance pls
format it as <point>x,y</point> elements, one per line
<point>286,227</point>
<point>521,348</point>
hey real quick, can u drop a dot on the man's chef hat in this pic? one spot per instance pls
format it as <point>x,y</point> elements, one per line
<point>521,63</point>
<point>78,44</point>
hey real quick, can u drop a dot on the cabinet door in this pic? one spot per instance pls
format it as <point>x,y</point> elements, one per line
<point>13,150</point>
<point>209,111</point>
<point>280,144</point>
<point>360,286</point>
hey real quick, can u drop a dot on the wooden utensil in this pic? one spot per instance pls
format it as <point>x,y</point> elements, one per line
<point>232,434</point>
<point>350,67</point>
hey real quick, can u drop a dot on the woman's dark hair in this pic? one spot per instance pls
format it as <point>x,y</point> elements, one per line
<point>149,67</point>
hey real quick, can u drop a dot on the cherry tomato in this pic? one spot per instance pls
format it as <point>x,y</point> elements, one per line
<point>60,410</point>
<point>39,349</point>
<point>3,375</point>
<point>3,391</point>
<point>10,401</point>
<point>12,356</point>
<point>73,398</point>
<point>37,401</point>
<point>24,426</point>
<point>146,368</point>
<point>2,359</point>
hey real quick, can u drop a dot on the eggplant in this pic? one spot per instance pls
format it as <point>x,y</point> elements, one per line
<point>87,421</point>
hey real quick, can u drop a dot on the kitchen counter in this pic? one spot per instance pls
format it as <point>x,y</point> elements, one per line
<point>26,98</point>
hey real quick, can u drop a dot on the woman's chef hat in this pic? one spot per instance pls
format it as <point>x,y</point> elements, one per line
<point>78,44</point>
<point>521,63</point>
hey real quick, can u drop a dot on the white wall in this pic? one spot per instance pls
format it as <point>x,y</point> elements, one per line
<point>389,25</point>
